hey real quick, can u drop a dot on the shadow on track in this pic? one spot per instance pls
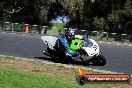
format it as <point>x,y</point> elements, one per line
<point>62,61</point>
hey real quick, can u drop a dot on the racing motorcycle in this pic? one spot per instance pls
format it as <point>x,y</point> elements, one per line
<point>87,50</point>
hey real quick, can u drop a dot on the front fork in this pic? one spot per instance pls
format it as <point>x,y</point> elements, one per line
<point>97,54</point>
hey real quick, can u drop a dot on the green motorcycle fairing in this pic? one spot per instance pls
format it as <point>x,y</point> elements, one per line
<point>76,44</point>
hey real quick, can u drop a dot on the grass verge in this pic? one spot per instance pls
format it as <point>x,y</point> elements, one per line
<point>16,73</point>
<point>56,28</point>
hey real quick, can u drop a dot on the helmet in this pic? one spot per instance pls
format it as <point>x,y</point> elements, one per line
<point>70,33</point>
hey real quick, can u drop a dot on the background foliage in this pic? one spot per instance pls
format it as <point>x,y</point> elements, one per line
<point>100,15</point>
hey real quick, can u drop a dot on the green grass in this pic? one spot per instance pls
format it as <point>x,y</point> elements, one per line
<point>58,25</point>
<point>56,28</point>
<point>10,78</point>
<point>32,74</point>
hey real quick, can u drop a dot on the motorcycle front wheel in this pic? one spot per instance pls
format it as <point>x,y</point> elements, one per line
<point>98,60</point>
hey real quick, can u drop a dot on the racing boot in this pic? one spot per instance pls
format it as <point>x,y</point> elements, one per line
<point>69,58</point>
<point>46,53</point>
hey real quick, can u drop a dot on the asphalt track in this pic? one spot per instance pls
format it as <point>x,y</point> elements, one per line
<point>119,57</point>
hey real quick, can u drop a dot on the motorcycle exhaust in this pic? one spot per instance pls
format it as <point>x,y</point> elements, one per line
<point>46,53</point>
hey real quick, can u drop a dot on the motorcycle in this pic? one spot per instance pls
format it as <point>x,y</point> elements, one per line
<point>87,49</point>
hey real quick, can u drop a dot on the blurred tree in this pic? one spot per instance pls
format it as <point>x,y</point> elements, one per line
<point>83,14</point>
<point>99,23</point>
<point>126,17</point>
<point>120,19</point>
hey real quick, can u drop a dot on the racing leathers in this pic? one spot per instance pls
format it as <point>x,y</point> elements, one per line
<point>65,43</point>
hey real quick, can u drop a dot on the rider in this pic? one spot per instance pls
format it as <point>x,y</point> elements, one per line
<point>66,39</point>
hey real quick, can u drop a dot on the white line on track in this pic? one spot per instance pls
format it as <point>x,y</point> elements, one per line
<point>108,43</point>
<point>12,33</point>
<point>129,45</point>
<point>115,43</point>
<point>3,32</point>
<point>118,44</point>
<point>24,34</point>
